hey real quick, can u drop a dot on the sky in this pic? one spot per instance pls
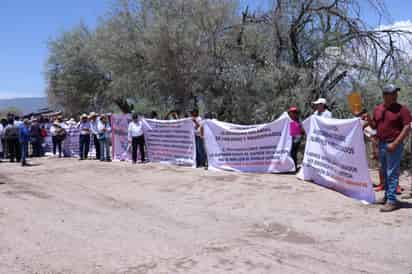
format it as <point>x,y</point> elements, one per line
<point>26,26</point>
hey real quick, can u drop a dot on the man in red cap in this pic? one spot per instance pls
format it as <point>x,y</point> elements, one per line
<point>392,123</point>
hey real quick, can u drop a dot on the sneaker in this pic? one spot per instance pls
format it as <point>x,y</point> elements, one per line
<point>388,207</point>
<point>398,190</point>
<point>380,187</point>
<point>381,201</point>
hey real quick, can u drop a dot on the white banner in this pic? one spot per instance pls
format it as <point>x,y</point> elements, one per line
<point>71,144</point>
<point>255,148</point>
<point>170,142</point>
<point>335,157</point>
<point>121,149</point>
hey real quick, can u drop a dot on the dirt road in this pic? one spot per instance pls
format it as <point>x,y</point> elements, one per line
<point>69,216</point>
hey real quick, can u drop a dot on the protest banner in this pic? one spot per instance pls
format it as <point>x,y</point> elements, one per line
<point>71,145</point>
<point>335,157</point>
<point>47,144</point>
<point>255,148</point>
<point>171,142</point>
<point>121,149</point>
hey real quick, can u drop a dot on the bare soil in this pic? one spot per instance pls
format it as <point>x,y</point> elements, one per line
<point>70,216</point>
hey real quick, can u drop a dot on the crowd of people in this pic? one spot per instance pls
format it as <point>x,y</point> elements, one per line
<point>19,136</point>
<point>387,129</point>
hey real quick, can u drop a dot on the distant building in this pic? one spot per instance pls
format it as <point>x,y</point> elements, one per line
<point>44,112</point>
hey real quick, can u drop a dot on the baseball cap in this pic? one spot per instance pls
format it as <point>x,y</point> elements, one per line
<point>320,101</point>
<point>390,89</point>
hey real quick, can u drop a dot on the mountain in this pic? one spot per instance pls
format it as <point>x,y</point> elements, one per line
<point>25,105</point>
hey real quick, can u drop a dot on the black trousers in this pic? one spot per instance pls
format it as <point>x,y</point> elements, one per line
<point>84,141</point>
<point>57,144</point>
<point>13,148</point>
<point>96,146</point>
<point>201,156</point>
<point>36,146</point>
<point>138,141</point>
<point>295,148</point>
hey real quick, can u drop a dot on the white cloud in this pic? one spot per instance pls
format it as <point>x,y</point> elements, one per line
<point>404,42</point>
<point>402,25</point>
<point>16,94</point>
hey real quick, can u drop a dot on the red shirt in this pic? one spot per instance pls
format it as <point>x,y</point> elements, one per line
<point>390,121</point>
<point>295,128</point>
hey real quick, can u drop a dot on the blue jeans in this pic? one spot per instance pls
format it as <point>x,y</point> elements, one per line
<point>104,149</point>
<point>390,165</point>
<point>24,151</point>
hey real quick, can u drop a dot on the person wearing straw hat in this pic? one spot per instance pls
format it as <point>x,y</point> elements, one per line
<point>58,131</point>
<point>321,109</point>
<point>94,122</point>
<point>104,131</point>
<point>392,122</point>
<point>84,137</point>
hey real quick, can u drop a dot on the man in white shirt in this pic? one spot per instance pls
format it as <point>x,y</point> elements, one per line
<point>136,138</point>
<point>200,148</point>
<point>104,131</point>
<point>94,122</point>
<point>321,109</point>
<point>84,137</point>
